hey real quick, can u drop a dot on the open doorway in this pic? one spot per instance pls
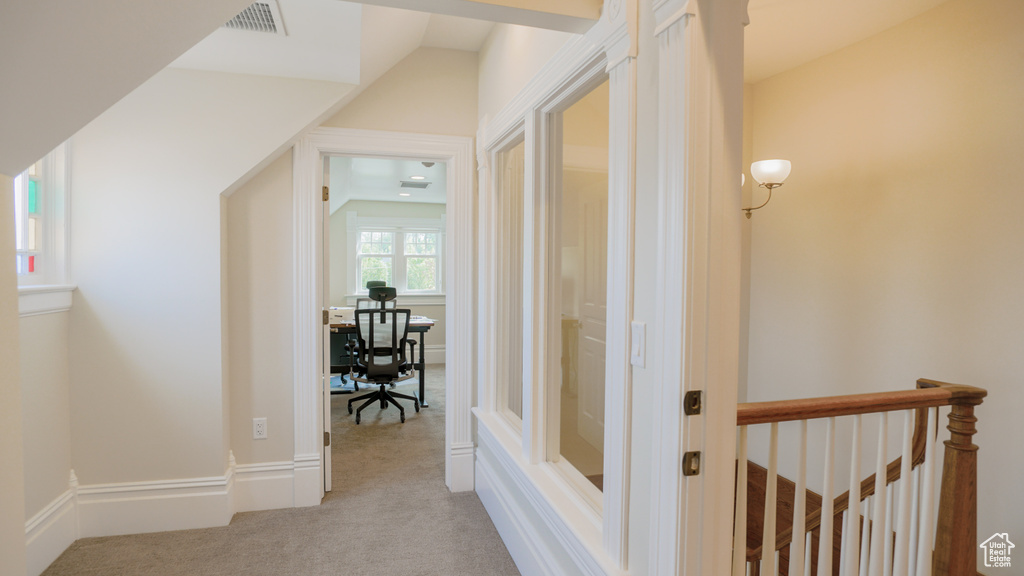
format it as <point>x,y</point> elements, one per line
<point>312,438</point>
<point>386,224</point>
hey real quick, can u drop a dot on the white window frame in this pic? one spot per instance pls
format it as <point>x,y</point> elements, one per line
<point>400,227</point>
<point>46,289</point>
<point>594,523</point>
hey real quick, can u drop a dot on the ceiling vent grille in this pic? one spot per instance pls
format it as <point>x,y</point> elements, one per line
<point>417,184</point>
<point>413,184</point>
<point>259,17</point>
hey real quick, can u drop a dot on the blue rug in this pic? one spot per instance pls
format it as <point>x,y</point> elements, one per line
<point>340,383</point>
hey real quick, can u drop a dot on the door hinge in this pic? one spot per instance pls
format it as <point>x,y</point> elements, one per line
<point>327,194</point>
<point>327,438</point>
<point>327,317</point>
<point>691,463</point>
<point>692,403</point>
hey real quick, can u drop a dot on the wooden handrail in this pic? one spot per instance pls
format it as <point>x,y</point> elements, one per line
<point>929,393</point>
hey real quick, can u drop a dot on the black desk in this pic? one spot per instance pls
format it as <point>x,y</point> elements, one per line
<point>418,326</point>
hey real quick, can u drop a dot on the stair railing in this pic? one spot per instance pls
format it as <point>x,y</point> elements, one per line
<point>887,527</point>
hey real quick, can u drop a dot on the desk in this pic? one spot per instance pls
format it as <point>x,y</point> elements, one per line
<point>418,325</point>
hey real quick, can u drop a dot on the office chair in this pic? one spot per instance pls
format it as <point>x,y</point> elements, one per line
<point>381,335</point>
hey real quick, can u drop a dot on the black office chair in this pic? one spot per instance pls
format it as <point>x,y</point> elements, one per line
<point>381,335</point>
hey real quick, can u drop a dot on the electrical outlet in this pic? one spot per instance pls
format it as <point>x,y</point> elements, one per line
<point>259,428</point>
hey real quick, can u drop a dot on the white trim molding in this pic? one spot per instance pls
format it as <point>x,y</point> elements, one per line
<point>697,288</point>
<point>44,299</point>
<point>459,273</point>
<point>154,506</point>
<point>547,527</point>
<point>160,505</point>
<point>49,533</point>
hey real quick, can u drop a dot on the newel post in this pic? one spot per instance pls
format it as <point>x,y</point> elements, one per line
<point>956,536</point>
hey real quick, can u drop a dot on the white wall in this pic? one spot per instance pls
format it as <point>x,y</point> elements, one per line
<point>509,58</point>
<point>147,380</point>
<point>51,49</point>
<point>46,408</point>
<point>892,252</point>
<point>12,481</point>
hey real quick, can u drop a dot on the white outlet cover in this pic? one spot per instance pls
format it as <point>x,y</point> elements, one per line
<point>259,428</point>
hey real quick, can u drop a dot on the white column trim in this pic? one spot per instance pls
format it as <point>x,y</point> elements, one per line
<point>459,272</point>
<point>618,371</point>
<point>697,288</point>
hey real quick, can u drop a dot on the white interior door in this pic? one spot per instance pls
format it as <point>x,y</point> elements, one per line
<point>325,364</point>
<point>593,303</point>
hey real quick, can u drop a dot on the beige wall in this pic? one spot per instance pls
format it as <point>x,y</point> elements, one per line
<point>431,91</point>
<point>893,251</point>
<point>509,58</point>
<point>12,480</point>
<point>259,258</point>
<point>46,408</point>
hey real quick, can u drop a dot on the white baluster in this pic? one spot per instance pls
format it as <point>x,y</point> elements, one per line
<point>865,536</point>
<point>827,507</point>
<point>926,531</point>
<point>807,554</point>
<point>739,541</point>
<point>902,554</point>
<point>887,553</point>
<point>853,516</point>
<point>844,545</point>
<point>915,514</point>
<point>796,546</point>
<point>770,503</point>
<point>880,503</point>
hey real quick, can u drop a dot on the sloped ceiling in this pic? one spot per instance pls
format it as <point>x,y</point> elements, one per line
<point>64,63</point>
<point>322,42</point>
<point>784,34</point>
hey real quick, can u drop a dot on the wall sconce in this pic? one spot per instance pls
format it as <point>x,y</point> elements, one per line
<point>768,174</point>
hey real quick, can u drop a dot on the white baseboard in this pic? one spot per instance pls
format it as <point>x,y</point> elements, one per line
<point>534,516</point>
<point>527,548</point>
<point>461,475</point>
<point>139,507</point>
<point>434,353</point>
<point>264,486</point>
<point>49,533</point>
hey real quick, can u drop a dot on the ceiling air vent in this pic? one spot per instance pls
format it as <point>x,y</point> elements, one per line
<point>259,17</point>
<point>412,184</point>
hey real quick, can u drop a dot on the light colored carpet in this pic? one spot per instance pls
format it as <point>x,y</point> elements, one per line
<point>389,514</point>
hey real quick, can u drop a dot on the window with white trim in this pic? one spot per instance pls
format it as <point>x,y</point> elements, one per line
<point>408,256</point>
<point>40,198</point>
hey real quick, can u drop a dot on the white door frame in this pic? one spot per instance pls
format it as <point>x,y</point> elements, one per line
<point>457,153</point>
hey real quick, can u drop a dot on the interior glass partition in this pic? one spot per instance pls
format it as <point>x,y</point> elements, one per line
<point>510,187</point>
<point>582,185</point>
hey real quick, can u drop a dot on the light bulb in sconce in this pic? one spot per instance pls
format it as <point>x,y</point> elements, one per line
<point>768,174</point>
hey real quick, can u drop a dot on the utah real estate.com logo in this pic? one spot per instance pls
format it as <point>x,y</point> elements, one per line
<point>997,550</point>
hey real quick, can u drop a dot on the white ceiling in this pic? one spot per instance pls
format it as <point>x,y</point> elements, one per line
<point>380,179</point>
<point>332,40</point>
<point>784,34</point>
<point>322,43</point>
